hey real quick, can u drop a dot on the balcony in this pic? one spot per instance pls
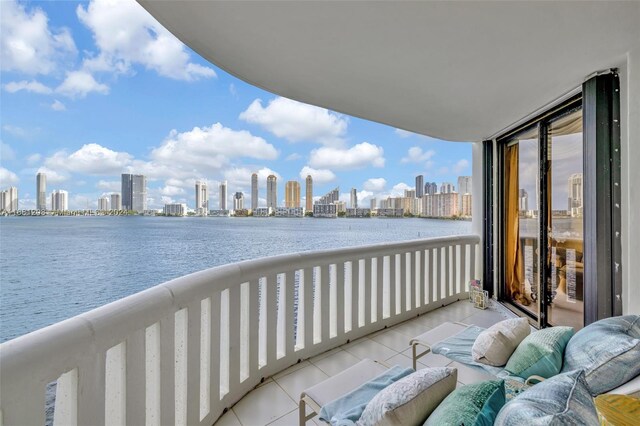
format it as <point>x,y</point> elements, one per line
<point>187,350</point>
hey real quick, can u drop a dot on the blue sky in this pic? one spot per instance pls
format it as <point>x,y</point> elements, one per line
<point>94,89</point>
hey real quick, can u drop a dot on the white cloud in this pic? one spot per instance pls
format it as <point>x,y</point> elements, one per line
<point>53,176</point>
<point>364,196</point>
<point>32,86</point>
<point>172,191</point>
<point>375,184</point>
<point>27,43</point>
<point>6,152</point>
<point>398,189</point>
<point>7,177</point>
<point>295,121</point>
<point>240,178</point>
<point>358,156</point>
<point>58,106</point>
<point>126,34</point>
<point>320,176</point>
<point>404,133</point>
<point>417,155</point>
<point>212,147</point>
<point>33,159</point>
<point>109,185</point>
<point>233,90</point>
<point>293,157</point>
<point>78,84</point>
<point>91,159</point>
<point>16,131</point>
<point>461,166</point>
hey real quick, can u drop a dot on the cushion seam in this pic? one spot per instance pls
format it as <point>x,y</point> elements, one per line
<point>406,403</point>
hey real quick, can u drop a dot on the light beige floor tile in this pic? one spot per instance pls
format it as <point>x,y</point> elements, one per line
<point>291,369</point>
<point>394,340</point>
<point>411,328</point>
<point>430,359</point>
<point>336,362</point>
<point>403,361</point>
<point>228,419</point>
<point>263,405</point>
<point>485,318</point>
<point>324,355</point>
<point>294,383</point>
<point>372,350</point>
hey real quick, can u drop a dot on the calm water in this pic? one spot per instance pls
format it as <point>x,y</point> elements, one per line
<point>52,268</point>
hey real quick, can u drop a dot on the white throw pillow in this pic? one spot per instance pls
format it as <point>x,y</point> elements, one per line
<point>495,345</point>
<point>410,400</point>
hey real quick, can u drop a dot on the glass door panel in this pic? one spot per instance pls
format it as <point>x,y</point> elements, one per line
<point>566,243</point>
<point>522,229</point>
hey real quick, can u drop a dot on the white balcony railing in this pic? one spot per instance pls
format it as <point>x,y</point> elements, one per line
<point>183,351</point>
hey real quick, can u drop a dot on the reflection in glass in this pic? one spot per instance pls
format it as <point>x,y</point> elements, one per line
<point>566,242</point>
<point>522,221</point>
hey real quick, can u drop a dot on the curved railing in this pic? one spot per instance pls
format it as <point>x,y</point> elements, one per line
<point>184,351</point>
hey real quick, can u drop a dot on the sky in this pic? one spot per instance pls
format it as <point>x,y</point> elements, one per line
<point>90,90</point>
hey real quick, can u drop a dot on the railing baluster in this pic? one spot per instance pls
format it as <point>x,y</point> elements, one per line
<point>472,261</point>
<point>454,266</point>
<point>379,287</point>
<point>307,304</point>
<point>426,281</point>
<point>272,317</point>
<point>411,280</point>
<point>214,369</point>
<point>254,328</point>
<point>136,382</point>
<point>205,357</point>
<point>365,276</point>
<point>325,303</point>
<point>436,286</point>
<point>181,372</point>
<point>392,286</point>
<point>340,298</point>
<point>192,348</point>
<point>463,266</point>
<point>234,337</point>
<point>418,269</point>
<point>167,369</point>
<point>354,282</point>
<point>403,283</point>
<point>447,276</point>
<point>289,313</point>
<point>66,404</point>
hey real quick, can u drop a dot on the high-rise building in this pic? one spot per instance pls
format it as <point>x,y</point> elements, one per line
<point>116,201</point>
<point>447,187</point>
<point>466,204</point>
<point>254,191</point>
<point>272,191</point>
<point>238,201</point>
<point>175,209</point>
<point>292,194</point>
<point>309,194</point>
<point>419,186</point>
<point>134,192</point>
<point>103,203</point>
<point>330,197</point>
<point>373,204</point>
<point>430,188</point>
<point>202,198</point>
<point>9,199</point>
<point>524,201</point>
<point>575,195</point>
<point>464,187</point>
<point>440,205</point>
<point>41,191</point>
<point>354,198</point>
<point>410,193</point>
<point>223,195</point>
<point>59,200</point>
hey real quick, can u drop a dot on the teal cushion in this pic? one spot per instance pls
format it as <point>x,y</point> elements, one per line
<point>608,351</point>
<point>470,405</point>
<point>540,353</point>
<point>561,400</point>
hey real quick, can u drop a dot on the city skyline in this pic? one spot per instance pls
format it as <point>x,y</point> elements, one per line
<point>199,122</point>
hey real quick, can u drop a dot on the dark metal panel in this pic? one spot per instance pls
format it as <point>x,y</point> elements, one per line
<point>487,224</point>
<point>543,221</point>
<point>616,193</point>
<point>599,206</point>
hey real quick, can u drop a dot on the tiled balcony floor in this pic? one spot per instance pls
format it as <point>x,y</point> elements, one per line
<point>275,402</point>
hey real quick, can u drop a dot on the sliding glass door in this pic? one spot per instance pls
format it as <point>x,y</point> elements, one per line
<point>542,209</point>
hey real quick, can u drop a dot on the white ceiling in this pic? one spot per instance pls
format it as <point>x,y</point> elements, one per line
<point>452,70</point>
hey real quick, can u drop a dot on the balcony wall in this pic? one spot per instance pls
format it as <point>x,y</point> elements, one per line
<point>184,351</point>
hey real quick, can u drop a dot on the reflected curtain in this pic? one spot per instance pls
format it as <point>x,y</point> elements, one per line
<point>513,255</point>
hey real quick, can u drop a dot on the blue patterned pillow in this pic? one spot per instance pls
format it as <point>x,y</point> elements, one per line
<point>540,353</point>
<point>470,405</point>
<point>608,351</point>
<point>561,400</point>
